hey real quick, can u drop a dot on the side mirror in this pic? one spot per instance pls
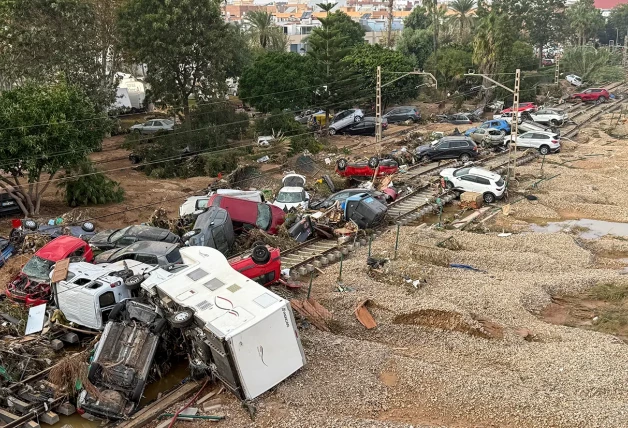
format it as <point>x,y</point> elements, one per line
<point>186,236</point>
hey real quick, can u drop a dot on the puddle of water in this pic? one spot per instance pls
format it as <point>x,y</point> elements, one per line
<point>589,229</point>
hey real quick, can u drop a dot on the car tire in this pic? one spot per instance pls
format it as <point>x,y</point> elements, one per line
<point>341,164</point>
<point>30,224</point>
<point>554,122</point>
<point>94,373</point>
<point>138,390</point>
<point>260,255</point>
<point>182,319</point>
<point>118,311</point>
<point>464,157</point>
<point>424,158</point>
<point>489,198</point>
<point>158,326</point>
<point>373,162</point>
<point>332,131</point>
<point>602,100</point>
<point>449,185</point>
<point>256,243</point>
<point>88,226</point>
<point>544,150</point>
<point>133,282</point>
<point>357,119</point>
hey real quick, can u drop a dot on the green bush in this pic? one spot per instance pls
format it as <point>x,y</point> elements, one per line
<point>304,142</point>
<point>91,187</point>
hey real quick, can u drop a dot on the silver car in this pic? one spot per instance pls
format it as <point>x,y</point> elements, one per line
<point>345,118</point>
<point>153,126</point>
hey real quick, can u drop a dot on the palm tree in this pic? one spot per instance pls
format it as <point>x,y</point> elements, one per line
<point>463,18</point>
<point>262,29</point>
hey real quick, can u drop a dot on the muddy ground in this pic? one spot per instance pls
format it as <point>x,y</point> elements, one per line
<point>535,337</point>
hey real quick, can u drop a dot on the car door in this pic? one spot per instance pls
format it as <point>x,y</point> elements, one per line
<point>524,140</point>
<point>357,129</point>
<point>392,115</point>
<point>478,135</point>
<point>539,139</point>
<point>467,183</point>
<point>441,151</point>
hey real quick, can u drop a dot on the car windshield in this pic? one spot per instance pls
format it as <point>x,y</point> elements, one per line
<point>264,216</point>
<point>461,171</point>
<point>289,197</point>
<point>173,256</point>
<point>118,234</point>
<point>500,182</point>
<point>37,268</point>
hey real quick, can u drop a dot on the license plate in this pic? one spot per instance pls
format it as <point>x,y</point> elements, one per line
<point>7,204</point>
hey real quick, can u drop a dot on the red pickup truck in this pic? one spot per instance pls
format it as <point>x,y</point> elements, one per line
<point>599,95</point>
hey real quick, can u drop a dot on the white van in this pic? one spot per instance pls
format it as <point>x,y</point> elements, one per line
<point>89,292</point>
<point>241,332</point>
<point>196,204</point>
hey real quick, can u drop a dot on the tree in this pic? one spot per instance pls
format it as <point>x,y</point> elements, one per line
<point>90,187</point>
<point>44,130</point>
<point>584,20</point>
<point>416,44</point>
<point>188,49</point>
<point>328,47</point>
<point>453,63</point>
<point>263,32</point>
<point>463,16</point>
<point>617,24</point>
<point>340,23</point>
<point>418,19</point>
<point>365,59</point>
<point>593,65</point>
<point>69,40</point>
<point>283,75</point>
<point>545,22</point>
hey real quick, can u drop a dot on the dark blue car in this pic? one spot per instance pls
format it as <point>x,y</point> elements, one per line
<point>6,250</point>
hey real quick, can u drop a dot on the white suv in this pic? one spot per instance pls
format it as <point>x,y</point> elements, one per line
<point>479,180</point>
<point>546,142</point>
<point>344,119</point>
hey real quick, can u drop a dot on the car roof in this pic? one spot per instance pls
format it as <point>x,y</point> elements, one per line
<point>484,173</point>
<point>456,137</point>
<point>147,232</point>
<point>59,248</point>
<point>152,247</point>
<point>550,133</point>
<point>291,189</point>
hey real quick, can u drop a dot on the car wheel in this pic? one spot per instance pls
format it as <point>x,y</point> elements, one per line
<point>544,150</point>
<point>30,224</point>
<point>408,122</point>
<point>133,282</point>
<point>332,131</point>
<point>341,164</point>
<point>489,198</point>
<point>182,319</point>
<point>357,119</point>
<point>88,226</point>
<point>373,162</point>
<point>464,157</point>
<point>117,311</point>
<point>554,122</point>
<point>449,184</point>
<point>94,373</point>
<point>602,99</point>
<point>138,390</point>
<point>424,158</point>
<point>260,255</point>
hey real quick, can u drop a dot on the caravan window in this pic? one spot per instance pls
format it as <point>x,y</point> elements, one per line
<point>107,299</point>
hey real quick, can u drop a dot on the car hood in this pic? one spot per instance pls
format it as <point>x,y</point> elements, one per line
<point>469,131</point>
<point>287,205</point>
<point>293,180</point>
<point>422,149</point>
<point>447,172</point>
<point>101,238</point>
<point>105,256</point>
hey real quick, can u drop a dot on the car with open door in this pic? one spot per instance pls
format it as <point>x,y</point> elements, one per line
<point>292,194</point>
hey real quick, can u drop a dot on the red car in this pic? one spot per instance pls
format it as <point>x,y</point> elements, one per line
<point>592,94</point>
<point>262,266</point>
<point>259,214</point>
<point>367,169</point>
<point>32,285</point>
<point>522,107</point>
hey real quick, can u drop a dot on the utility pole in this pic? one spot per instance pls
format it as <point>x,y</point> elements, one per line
<point>389,44</point>
<point>378,96</point>
<point>557,71</point>
<point>512,149</point>
<point>624,61</point>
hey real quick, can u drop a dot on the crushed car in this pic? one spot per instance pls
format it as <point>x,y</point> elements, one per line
<point>212,228</point>
<point>196,204</point>
<point>111,238</point>
<point>292,194</point>
<point>344,119</point>
<point>250,214</point>
<point>149,252</point>
<point>31,285</point>
<point>54,228</point>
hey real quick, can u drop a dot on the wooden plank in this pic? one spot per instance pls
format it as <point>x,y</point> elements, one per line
<point>150,413</point>
<point>364,316</point>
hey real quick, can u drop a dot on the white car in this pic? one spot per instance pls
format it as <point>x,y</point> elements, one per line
<point>345,118</point>
<point>264,141</point>
<point>292,194</point>
<point>479,180</point>
<point>545,142</point>
<point>153,126</point>
<point>551,116</point>
<point>574,80</point>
